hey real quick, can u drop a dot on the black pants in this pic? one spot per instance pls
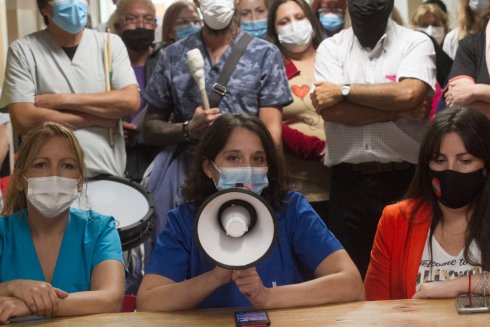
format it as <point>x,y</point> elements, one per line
<point>139,157</point>
<point>356,202</point>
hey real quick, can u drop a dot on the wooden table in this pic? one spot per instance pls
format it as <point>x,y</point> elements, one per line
<point>380,313</point>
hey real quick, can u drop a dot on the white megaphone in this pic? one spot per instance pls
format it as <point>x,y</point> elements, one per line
<point>235,228</point>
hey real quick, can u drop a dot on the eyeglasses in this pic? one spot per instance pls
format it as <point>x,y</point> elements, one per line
<point>134,20</point>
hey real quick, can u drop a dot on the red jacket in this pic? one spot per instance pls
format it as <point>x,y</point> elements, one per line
<point>397,251</point>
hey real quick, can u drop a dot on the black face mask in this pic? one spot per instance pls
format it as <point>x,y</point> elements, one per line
<point>369,19</point>
<point>454,189</point>
<point>139,39</point>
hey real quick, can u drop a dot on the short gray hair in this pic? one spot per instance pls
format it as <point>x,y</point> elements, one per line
<point>121,6</point>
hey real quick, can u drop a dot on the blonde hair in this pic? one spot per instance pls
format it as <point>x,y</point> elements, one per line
<point>429,8</point>
<point>466,20</point>
<point>28,150</point>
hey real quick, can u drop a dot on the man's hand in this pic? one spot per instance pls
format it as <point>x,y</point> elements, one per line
<point>40,297</point>
<point>130,132</point>
<point>325,95</point>
<point>12,307</point>
<point>249,283</point>
<point>421,112</point>
<point>201,120</point>
<point>50,101</point>
<point>460,92</point>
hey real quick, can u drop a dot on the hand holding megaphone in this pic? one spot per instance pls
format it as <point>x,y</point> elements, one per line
<point>196,66</point>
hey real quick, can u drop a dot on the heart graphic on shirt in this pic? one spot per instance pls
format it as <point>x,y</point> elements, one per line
<point>300,91</point>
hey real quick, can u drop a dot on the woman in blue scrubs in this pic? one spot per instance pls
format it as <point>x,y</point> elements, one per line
<point>55,260</point>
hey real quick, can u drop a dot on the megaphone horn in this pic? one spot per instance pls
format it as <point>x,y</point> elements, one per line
<point>235,228</point>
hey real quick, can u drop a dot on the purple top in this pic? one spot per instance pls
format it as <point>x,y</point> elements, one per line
<point>139,71</point>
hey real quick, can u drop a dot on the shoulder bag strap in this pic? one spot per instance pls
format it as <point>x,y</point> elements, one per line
<point>218,89</point>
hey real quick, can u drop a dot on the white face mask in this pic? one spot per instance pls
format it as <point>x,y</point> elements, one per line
<point>478,6</point>
<point>296,36</point>
<point>217,14</point>
<point>437,32</point>
<point>51,195</point>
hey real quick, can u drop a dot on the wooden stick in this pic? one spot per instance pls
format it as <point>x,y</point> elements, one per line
<point>108,76</point>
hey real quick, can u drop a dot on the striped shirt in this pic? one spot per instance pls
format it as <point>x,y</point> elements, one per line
<point>400,53</point>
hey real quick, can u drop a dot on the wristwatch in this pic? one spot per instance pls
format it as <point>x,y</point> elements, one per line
<point>345,91</point>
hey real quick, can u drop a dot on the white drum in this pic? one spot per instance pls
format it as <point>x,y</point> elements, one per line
<point>129,204</point>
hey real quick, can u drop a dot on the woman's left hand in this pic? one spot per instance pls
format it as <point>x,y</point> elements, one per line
<point>12,307</point>
<point>439,290</point>
<point>249,283</point>
<point>460,92</point>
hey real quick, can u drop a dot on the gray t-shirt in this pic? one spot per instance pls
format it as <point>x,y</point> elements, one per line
<point>36,64</point>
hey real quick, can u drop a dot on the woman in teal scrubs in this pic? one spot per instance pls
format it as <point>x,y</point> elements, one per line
<point>55,260</point>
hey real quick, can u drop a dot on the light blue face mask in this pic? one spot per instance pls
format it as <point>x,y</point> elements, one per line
<point>331,22</point>
<point>256,28</point>
<point>183,31</point>
<point>70,15</point>
<point>252,178</point>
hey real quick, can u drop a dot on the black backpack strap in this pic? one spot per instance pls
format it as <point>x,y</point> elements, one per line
<point>218,89</point>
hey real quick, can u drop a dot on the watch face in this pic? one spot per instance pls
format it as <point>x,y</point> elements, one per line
<point>345,90</point>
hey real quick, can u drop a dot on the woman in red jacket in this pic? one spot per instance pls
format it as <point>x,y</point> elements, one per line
<point>436,243</point>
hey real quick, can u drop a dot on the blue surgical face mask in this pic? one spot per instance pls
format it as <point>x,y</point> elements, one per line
<point>256,28</point>
<point>70,15</point>
<point>331,22</point>
<point>183,31</point>
<point>252,178</point>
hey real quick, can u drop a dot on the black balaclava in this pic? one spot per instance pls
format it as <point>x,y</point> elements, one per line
<point>369,19</point>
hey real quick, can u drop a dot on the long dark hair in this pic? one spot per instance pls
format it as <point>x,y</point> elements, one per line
<point>474,129</point>
<point>198,186</point>
<point>271,23</point>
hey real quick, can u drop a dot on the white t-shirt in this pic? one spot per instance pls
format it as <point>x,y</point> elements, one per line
<point>443,266</point>
<point>451,42</point>
<point>36,64</point>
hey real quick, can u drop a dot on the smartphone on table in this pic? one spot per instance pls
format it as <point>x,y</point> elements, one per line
<point>472,303</point>
<point>252,318</point>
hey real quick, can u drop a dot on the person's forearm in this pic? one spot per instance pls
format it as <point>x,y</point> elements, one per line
<point>272,119</point>
<point>178,296</point>
<point>113,104</point>
<point>398,96</point>
<point>162,133</point>
<point>91,302</point>
<point>334,288</point>
<point>4,142</point>
<point>355,115</point>
<point>25,118</point>
<point>482,93</point>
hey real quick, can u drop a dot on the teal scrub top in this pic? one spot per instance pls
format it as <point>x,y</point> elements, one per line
<point>89,239</point>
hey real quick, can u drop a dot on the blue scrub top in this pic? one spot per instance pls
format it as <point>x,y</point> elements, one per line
<point>303,243</point>
<point>89,239</point>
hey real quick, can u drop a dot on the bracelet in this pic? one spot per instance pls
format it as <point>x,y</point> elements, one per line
<point>469,281</point>
<point>485,283</point>
<point>185,131</point>
<point>475,289</point>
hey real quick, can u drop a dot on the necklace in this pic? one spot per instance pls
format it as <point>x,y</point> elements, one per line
<point>450,233</point>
